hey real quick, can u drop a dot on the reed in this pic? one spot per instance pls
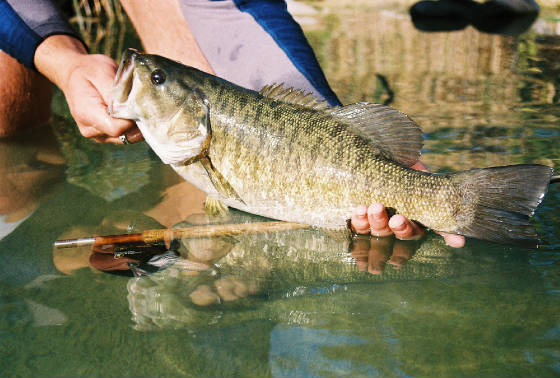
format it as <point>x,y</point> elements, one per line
<point>102,24</point>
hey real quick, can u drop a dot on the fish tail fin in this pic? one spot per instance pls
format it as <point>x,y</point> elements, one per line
<point>499,201</point>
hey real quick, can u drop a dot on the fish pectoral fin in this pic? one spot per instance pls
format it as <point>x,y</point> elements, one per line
<point>293,96</point>
<point>394,134</point>
<point>215,207</point>
<point>220,183</point>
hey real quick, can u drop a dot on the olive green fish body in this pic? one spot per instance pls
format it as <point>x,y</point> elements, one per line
<point>282,154</point>
<point>303,165</point>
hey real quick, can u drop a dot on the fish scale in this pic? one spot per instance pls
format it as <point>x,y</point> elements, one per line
<point>282,154</point>
<point>313,141</point>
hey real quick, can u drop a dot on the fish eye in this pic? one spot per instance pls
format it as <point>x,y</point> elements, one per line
<point>158,77</point>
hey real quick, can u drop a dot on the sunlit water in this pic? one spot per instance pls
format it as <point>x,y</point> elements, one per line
<point>298,303</point>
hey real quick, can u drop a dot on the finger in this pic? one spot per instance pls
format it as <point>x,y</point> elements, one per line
<point>135,138</point>
<point>419,166</point>
<point>403,250</point>
<point>359,220</point>
<point>95,122</point>
<point>378,254</point>
<point>378,220</point>
<point>404,229</point>
<point>360,251</point>
<point>104,76</point>
<point>89,131</point>
<point>115,126</point>
<point>106,139</point>
<point>134,135</point>
<point>453,240</point>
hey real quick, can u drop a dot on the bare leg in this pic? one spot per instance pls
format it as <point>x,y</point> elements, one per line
<point>25,97</point>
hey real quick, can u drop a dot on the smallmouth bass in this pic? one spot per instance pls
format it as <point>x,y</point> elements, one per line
<point>282,154</point>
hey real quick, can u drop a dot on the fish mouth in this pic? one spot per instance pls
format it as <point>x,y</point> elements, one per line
<point>122,85</point>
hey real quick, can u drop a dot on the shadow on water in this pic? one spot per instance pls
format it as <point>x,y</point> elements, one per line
<point>294,303</point>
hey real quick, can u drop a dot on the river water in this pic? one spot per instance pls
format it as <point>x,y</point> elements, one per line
<point>299,303</point>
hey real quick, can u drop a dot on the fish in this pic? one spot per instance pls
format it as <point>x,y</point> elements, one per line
<point>282,154</point>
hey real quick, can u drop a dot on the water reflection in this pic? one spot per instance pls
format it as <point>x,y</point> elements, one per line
<point>177,287</point>
<point>31,167</point>
<point>463,81</point>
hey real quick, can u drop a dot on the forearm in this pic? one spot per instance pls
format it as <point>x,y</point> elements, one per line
<point>164,31</point>
<point>25,24</point>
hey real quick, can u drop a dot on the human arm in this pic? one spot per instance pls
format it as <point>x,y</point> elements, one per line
<point>38,36</point>
<point>24,24</point>
<point>86,79</point>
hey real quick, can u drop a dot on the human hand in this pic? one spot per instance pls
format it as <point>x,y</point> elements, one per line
<point>86,81</point>
<point>87,93</point>
<point>374,220</point>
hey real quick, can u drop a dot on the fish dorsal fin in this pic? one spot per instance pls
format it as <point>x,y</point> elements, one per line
<point>293,96</point>
<point>397,137</point>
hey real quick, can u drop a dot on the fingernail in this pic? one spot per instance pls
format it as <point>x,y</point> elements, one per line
<point>377,268</point>
<point>397,223</point>
<point>376,208</point>
<point>454,241</point>
<point>398,261</point>
<point>361,211</point>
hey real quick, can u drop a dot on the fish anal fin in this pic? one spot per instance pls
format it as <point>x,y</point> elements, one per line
<point>293,96</point>
<point>392,132</point>
<point>213,206</point>
<point>220,183</point>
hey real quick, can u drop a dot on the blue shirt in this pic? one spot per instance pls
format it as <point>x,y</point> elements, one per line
<point>24,24</point>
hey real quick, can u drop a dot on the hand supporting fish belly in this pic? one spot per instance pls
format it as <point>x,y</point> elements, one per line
<point>375,221</point>
<point>282,154</point>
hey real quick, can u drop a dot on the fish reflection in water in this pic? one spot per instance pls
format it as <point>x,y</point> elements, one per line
<point>243,272</point>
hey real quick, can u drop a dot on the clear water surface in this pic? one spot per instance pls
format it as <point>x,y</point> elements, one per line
<point>298,303</point>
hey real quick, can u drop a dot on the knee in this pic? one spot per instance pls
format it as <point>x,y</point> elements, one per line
<point>25,97</point>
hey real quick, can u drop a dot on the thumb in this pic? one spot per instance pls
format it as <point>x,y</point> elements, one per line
<point>95,122</point>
